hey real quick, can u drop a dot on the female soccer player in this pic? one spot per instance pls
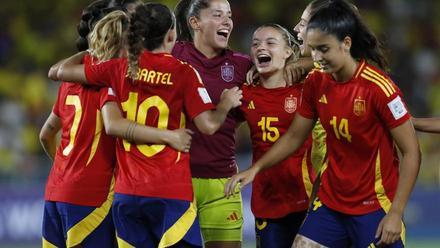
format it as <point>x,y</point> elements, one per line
<point>204,28</point>
<point>280,195</point>
<point>153,182</point>
<point>362,196</point>
<point>79,189</point>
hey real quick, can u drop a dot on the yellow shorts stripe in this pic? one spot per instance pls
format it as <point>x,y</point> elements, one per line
<point>123,244</point>
<point>47,244</point>
<point>178,230</point>
<point>82,229</point>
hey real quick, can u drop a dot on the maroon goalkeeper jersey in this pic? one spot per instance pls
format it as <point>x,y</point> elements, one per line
<point>213,156</point>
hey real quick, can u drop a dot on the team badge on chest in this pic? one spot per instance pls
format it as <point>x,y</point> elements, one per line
<point>227,72</point>
<point>359,107</point>
<point>290,104</point>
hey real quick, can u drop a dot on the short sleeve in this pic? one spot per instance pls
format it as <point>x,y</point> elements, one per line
<point>106,95</point>
<point>105,73</point>
<point>308,102</point>
<point>196,97</point>
<point>390,106</point>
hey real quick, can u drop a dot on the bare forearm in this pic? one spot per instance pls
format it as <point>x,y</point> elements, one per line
<point>218,116</point>
<point>408,174</point>
<point>48,135</point>
<point>49,147</point>
<point>53,71</point>
<point>282,149</point>
<point>288,143</point>
<point>306,63</point>
<point>431,125</point>
<point>209,122</point>
<point>134,132</point>
<point>72,69</point>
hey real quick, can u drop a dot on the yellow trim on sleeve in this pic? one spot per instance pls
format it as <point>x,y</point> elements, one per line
<point>381,80</point>
<point>384,79</point>
<point>387,93</point>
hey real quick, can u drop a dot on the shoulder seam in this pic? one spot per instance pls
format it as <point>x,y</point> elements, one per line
<point>374,77</point>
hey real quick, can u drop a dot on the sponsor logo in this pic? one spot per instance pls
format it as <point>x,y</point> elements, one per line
<point>233,216</point>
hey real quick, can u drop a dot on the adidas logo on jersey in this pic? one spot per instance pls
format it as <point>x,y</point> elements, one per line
<point>233,217</point>
<point>323,99</point>
<point>251,105</point>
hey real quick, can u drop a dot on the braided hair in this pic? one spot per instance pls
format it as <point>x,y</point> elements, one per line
<point>149,25</point>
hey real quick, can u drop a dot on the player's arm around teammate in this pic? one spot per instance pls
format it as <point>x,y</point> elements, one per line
<point>429,125</point>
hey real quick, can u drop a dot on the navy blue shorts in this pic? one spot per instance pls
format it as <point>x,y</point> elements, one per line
<point>68,225</point>
<point>155,222</point>
<point>278,233</point>
<point>334,229</point>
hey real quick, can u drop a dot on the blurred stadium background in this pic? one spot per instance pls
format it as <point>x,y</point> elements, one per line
<point>35,34</point>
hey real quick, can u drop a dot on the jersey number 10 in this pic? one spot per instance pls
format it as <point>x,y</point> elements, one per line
<point>139,114</point>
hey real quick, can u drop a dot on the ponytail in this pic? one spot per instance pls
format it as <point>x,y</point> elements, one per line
<point>148,26</point>
<point>107,36</point>
<point>181,11</point>
<point>186,9</point>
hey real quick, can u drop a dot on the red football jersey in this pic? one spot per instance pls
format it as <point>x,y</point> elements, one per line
<point>165,91</point>
<point>84,162</point>
<point>362,169</point>
<point>285,187</point>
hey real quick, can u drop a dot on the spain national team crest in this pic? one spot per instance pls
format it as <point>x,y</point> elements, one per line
<point>290,104</point>
<point>227,72</point>
<point>359,107</point>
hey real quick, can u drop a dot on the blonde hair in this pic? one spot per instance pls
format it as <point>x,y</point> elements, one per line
<point>107,37</point>
<point>290,40</point>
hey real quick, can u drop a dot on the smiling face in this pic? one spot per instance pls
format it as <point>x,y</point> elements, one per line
<point>328,51</point>
<point>269,50</point>
<point>301,29</point>
<point>215,24</point>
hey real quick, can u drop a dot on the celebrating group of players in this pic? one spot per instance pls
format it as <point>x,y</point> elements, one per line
<point>146,157</point>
